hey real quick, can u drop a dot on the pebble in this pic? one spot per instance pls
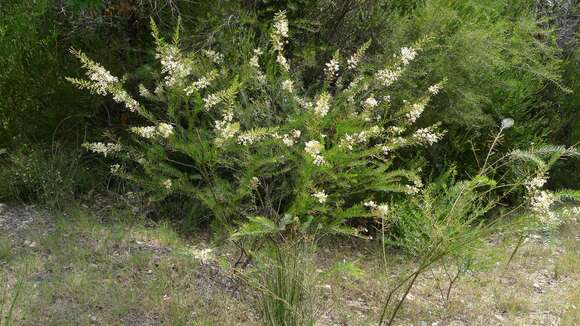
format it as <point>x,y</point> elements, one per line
<point>537,287</point>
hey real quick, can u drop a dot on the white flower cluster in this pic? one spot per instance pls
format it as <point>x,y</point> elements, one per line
<point>281,59</point>
<point>415,188</point>
<point>305,104</point>
<point>121,96</point>
<point>172,64</point>
<point>540,204</point>
<point>541,201</point>
<point>394,130</point>
<point>211,100</point>
<point>281,24</point>
<point>214,56</point>
<point>279,35</point>
<point>102,82</point>
<point>434,89</point>
<point>407,55</point>
<point>288,86</point>
<point>163,130</point>
<point>370,204</point>
<point>351,140</point>
<point>331,70</point>
<point>428,136</point>
<point>321,196</point>
<point>145,132</point>
<point>144,92</point>
<point>394,143</point>
<point>370,103</point>
<point>102,148</point>
<point>255,63</point>
<point>536,183</point>
<point>226,128</point>
<point>416,111</point>
<point>101,78</point>
<point>352,62</point>
<point>356,57</point>
<point>167,184</point>
<point>290,139</point>
<point>252,137</point>
<point>380,210</point>
<point>249,138</point>
<point>388,76</point>
<point>115,168</point>
<point>254,182</point>
<point>255,59</point>
<point>313,149</point>
<point>322,105</point>
<point>201,83</point>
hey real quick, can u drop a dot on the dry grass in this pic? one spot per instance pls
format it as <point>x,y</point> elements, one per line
<point>539,287</point>
<point>77,269</point>
<point>80,271</point>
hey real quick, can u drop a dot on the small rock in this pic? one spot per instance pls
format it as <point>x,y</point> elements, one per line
<point>325,286</point>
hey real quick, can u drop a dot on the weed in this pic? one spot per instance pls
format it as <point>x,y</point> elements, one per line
<point>284,283</point>
<point>5,248</point>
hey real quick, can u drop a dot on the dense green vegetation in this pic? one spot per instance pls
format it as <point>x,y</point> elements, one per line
<point>423,126</point>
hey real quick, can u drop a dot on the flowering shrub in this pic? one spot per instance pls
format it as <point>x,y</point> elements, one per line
<point>250,142</point>
<point>533,167</point>
<point>444,224</point>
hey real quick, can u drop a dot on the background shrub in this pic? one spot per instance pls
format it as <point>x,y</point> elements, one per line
<point>501,59</point>
<point>53,178</point>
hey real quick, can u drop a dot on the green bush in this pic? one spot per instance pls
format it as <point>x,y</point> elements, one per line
<point>250,141</point>
<point>54,179</point>
<point>499,60</point>
<point>38,105</point>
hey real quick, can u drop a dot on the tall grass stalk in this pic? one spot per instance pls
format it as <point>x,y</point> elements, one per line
<point>284,281</point>
<point>8,301</point>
